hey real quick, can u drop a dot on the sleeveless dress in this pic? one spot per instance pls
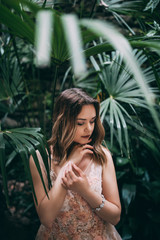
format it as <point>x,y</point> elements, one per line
<point>76,220</point>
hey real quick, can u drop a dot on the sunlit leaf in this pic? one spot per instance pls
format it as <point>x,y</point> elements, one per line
<point>74,42</point>
<point>44,30</point>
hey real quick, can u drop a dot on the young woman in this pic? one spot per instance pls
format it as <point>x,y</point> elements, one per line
<point>83,201</point>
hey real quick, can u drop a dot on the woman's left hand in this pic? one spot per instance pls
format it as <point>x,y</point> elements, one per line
<point>75,179</point>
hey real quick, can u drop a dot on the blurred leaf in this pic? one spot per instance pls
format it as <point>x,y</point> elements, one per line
<point>2,165</point>
<point>44,29</point>
<point>128,194</point>
<point>154,147</point>
<point>126,234</point>
<point>60,52</point>
<point>15,23</point>
<point>108,32</point>
<point>11,78</point>
<point>152,4</point>
<point>74,42</point>
<point>120,161</point>
<point>10,158</point>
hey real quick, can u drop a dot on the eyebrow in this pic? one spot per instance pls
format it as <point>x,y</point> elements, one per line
<point>85,119</point>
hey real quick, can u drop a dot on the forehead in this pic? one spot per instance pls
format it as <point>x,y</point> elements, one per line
<point>87,111</point>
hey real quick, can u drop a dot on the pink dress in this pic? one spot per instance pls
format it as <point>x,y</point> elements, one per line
<point>76,220</point>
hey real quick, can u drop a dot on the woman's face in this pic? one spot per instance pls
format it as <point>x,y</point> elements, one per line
<point>85,123</point>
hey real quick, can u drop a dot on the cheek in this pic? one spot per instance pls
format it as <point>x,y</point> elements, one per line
<point>77,133</point>
<point>93,126</point>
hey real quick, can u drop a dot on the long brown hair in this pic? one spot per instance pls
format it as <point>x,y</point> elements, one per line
<point>68,106</point>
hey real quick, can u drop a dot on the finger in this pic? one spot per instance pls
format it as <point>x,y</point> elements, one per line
<point>64,180</point>
<point>78,170</point>
<point>88,151</point>
<point>68,171</point>
<point>87,146</point>
<point>64,184</point>
<point>90,140</point>
<point>71,176</point>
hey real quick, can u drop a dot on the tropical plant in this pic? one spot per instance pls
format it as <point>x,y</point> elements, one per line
<point>98,58</point>
<point>120,93</point>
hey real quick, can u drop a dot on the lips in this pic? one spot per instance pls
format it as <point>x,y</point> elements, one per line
<point>86,136</point>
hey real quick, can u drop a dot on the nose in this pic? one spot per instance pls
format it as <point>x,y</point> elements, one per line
<point>88,127</point>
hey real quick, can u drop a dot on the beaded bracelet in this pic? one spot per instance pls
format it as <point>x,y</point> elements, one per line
<point>101,205</point>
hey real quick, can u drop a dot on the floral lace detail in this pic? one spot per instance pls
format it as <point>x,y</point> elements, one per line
<point>76,220</point>
<point>52,176</point>
<point>95,177</point>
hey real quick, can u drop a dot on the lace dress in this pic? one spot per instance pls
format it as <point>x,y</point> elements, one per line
<point>76,220</point>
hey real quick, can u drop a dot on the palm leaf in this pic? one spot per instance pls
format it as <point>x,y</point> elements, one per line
<point>16,25</point>
<point>118,124</point>
<point>107,47</point>
<point>120,88</point>
<point>37,142</point>
<point>71,25</point>
<point>60,52</point>
<point>44,28</point>
<point>26,141</point>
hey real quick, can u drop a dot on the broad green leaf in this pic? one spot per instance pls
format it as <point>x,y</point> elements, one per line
<point>18,146</point>
<point>16,25</point>
<point>24,143</point>
<point>37,144</point>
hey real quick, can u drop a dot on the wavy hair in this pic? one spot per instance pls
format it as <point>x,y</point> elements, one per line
<point>67,107</point>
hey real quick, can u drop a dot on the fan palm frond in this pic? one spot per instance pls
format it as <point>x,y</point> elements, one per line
<point>25,141</point>
<point>121,91</point>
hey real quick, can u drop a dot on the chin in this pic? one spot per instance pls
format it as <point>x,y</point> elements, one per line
<point>82,142</point>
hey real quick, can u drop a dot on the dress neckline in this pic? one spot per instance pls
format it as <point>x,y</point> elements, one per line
<point>87,167</point>
<point>53,173</point>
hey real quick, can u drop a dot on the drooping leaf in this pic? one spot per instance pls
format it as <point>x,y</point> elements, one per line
<point>128,195</point>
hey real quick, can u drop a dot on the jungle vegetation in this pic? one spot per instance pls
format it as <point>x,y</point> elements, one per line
<point>109,48</point>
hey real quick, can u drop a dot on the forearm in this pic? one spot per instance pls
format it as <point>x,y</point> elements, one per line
<point>49,208</point>
<point>110,212</point>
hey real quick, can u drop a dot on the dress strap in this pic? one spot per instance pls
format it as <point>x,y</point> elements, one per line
<point>85,170</point>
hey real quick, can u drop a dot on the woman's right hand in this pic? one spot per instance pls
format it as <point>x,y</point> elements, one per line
<point>75,179</point>
<point>78,152</point>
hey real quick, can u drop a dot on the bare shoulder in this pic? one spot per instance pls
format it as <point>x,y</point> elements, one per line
<point>108,155</point>
<point>34,167</point>
<point>31,160</point>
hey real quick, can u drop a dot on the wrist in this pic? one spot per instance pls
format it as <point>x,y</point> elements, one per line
<point>97,209</point>
<point>94,199</point>
<point>88,195</point>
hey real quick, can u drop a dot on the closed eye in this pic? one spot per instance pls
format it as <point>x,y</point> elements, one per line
<point>93,120</point>
<point>80,124</point>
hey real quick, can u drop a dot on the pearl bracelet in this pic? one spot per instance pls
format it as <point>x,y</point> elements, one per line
<point>101,205</point>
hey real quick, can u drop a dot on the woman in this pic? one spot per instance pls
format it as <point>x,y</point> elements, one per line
<point>83,201</point>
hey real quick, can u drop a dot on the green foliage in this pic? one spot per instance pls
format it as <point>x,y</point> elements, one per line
<point>25,141</point>
<point>152,4</point>
<point>120,69</point>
